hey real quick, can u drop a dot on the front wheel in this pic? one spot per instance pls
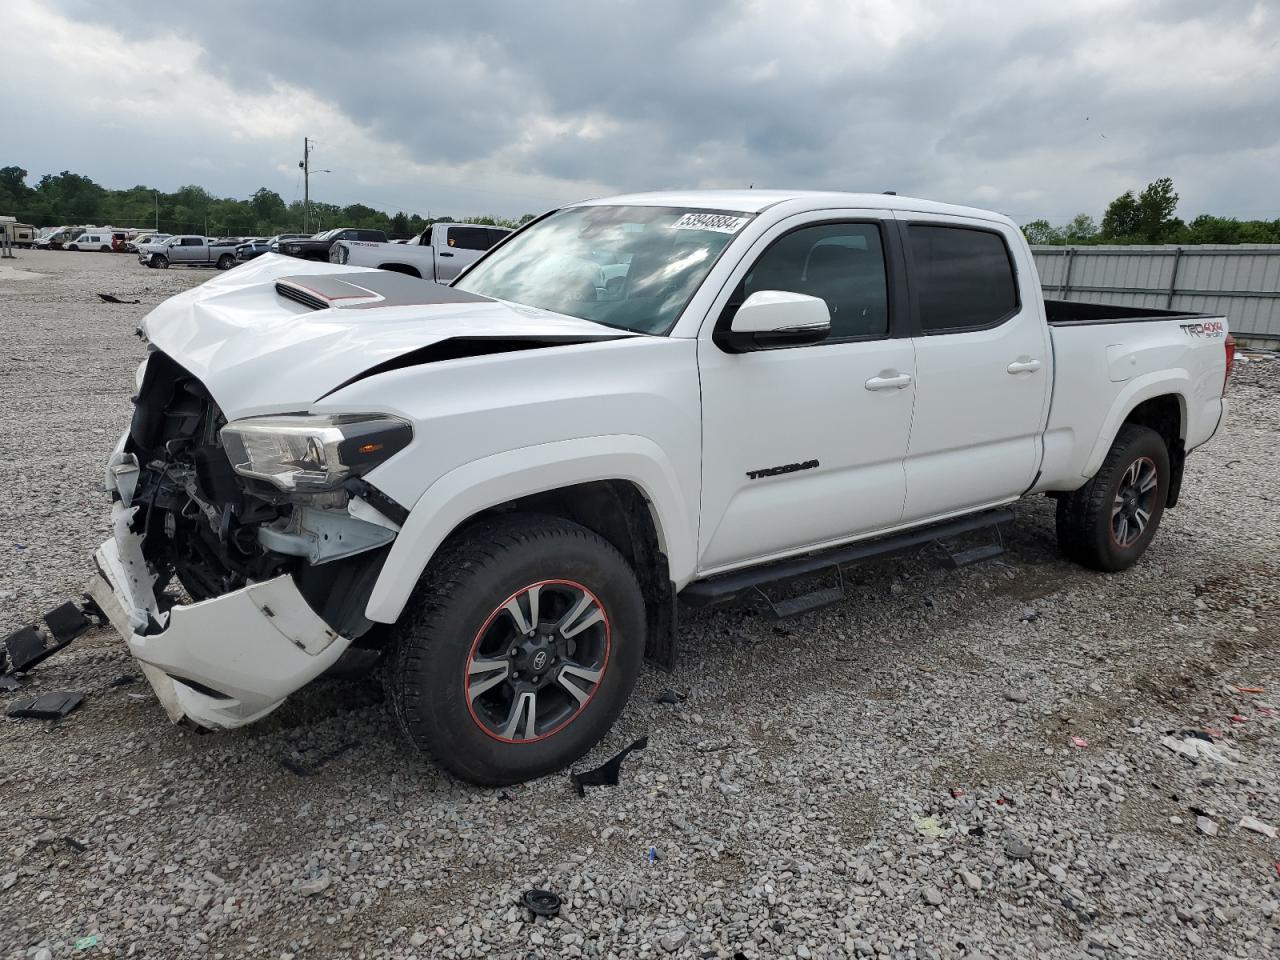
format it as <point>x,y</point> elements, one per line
<point>1109,522</point>
<point>518,649</point>
<point>160,261</point>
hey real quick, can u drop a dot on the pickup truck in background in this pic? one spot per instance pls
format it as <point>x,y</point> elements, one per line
<point>439,253</point>
<point>505,485</point>
<point>317,247</point>
<point>251,249</point>
<point>188,250</point>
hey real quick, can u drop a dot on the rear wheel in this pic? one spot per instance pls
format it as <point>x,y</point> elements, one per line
<point>226,262</point>
<point>518,650</point>
<point>1109,522</point>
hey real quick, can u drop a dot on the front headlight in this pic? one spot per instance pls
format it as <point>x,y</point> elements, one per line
<point>304,454</point>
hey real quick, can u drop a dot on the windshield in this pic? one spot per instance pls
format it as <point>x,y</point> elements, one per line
<point>629,267</point>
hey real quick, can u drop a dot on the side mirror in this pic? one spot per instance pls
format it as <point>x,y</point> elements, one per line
<point>775,318</point>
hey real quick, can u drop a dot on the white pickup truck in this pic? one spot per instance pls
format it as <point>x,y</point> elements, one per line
<point>505,485</point>
<point>439,253</point>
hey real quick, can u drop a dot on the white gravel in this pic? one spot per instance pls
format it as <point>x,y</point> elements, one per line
<point>895,776</point>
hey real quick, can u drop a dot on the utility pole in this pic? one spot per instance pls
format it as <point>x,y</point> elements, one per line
<point>305,164</point>
<point>157,193</point>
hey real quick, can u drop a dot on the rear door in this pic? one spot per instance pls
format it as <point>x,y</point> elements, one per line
<point>983,366</point>
<point>462,247</point>
<point>187,250</point>
<point>803,445</point>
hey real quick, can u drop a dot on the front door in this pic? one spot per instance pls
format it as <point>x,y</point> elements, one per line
<point>983,368</point>
<point>804,445</point>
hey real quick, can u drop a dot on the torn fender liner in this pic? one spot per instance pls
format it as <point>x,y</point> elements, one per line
<point>362,291</point>
<point>606,775</point>
<point>459,348</point>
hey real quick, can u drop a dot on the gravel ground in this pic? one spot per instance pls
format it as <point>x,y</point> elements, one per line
<point>946,764</point>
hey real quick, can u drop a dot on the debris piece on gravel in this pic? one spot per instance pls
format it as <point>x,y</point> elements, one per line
<point>1017,848</point>
<point>1196,749</point>
<point>53,705</point>
<point>1257,826</point>
<point>541,903</point>
<point>1206,826</point>
<point>606,775</point>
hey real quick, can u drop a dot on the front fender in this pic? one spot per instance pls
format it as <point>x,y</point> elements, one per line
<point>481,484</point>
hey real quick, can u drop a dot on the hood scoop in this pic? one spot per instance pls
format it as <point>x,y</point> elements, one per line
<point>363,290</point>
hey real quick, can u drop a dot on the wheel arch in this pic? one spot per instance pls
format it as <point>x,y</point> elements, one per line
<point>1159,404</point>
<point>621,487</point>
<point>401,268</point>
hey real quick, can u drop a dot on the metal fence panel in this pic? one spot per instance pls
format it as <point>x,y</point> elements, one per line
<point>1239,281</point>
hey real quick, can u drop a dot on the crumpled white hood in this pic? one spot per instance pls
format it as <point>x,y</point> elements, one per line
<point>257,352</point>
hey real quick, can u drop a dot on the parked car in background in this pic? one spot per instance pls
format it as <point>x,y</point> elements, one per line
<point>692,394</point>
<point>98,240</point>
<point>135,242</point>
<point>58,237</point>
<point>188,251</point>
<point>256,248</point>
<point>317,247</point>
<point>439,253</point>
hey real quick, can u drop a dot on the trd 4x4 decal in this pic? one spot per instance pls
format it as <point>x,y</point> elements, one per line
<point>1210,328</point>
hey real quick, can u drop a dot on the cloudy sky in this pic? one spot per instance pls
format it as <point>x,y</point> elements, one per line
<point>1033,108</point>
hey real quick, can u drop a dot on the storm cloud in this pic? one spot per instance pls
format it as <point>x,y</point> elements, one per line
<point>505,107</point>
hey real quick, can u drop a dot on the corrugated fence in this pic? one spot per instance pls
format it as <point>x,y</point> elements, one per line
<point>1240,281</point>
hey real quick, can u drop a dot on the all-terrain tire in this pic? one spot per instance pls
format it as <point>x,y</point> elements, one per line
<point>463,589</point>
<point>159,261</point>
<point>1085,521</point>
<point>226,261</point>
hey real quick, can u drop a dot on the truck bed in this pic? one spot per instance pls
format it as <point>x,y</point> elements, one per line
<point>1073,312</point>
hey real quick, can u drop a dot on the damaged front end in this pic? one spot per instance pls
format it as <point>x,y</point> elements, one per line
<point>243,553</point>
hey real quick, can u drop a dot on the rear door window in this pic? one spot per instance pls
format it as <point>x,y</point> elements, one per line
<point>469,238</point>
<point>963,278</point>
<point>495,236</point>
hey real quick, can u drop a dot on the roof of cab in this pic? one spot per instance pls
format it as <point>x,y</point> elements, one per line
<point>754,201</point>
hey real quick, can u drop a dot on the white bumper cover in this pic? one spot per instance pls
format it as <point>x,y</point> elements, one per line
<point>240,654</point>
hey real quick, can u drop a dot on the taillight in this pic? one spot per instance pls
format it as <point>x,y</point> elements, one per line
<point>1231,360</point>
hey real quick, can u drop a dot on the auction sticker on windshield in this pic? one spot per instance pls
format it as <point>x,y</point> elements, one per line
<point>717,222</point>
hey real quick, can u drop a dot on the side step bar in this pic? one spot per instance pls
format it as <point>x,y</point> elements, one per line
<point>725,587</point>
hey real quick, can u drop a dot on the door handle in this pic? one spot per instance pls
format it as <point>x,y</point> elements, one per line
<point>1024,366</point>
<point>445,253</point>
<point>894,381</point>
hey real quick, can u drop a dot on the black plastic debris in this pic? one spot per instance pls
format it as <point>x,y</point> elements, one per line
<point>27,646</point>
<point>606,775</point>
<point>47,706</point>
<point>669,696</point>
<point>74,844</point>
<point>304,767</point>
<point>108,298</point>
<point>541,903</point>
<point>124,680</point>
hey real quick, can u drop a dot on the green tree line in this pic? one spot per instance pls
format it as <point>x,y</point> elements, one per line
<point>1149,217</point>
<point>69,198</point>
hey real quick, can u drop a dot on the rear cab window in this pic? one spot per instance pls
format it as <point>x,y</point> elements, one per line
<point>963,278</point>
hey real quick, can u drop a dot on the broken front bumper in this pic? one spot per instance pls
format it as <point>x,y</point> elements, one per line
<point>220,663</point>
